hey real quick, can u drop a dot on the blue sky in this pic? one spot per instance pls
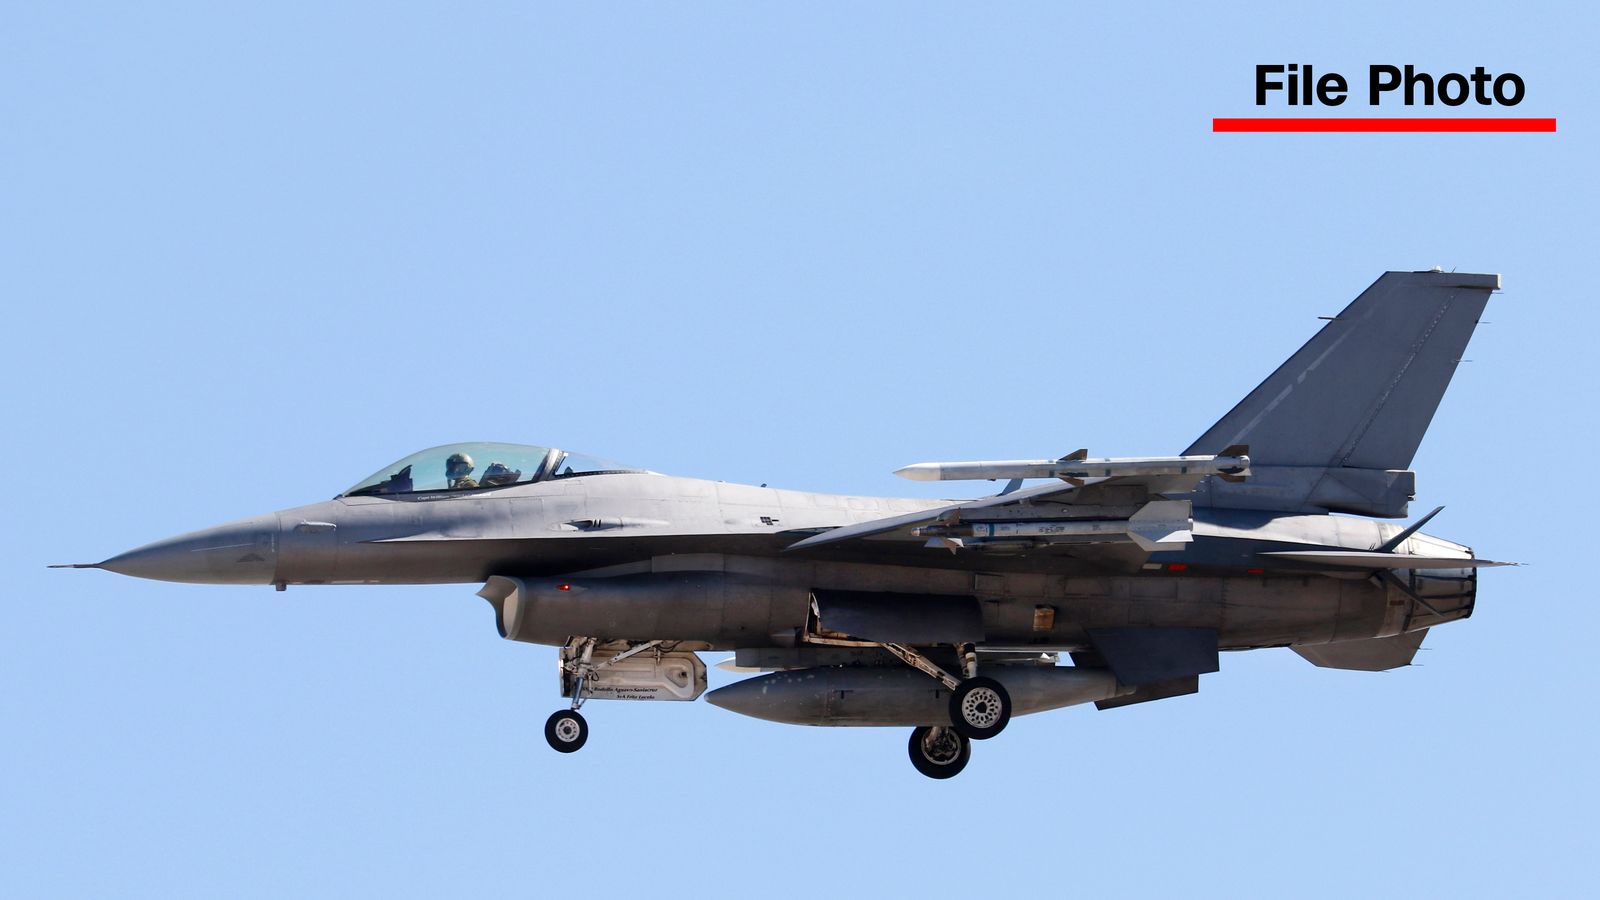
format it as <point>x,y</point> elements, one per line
<point>250,255</point>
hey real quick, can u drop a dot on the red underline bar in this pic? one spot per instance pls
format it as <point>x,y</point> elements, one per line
<point>1382,124</point>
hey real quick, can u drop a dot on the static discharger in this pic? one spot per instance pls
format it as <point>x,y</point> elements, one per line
<point>1231,464</point>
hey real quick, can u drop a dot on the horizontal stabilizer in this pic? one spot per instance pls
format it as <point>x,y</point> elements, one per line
<point>1371,559</point>
<point>1370,655</point>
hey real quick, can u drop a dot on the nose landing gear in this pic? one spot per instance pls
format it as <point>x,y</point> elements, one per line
<point>619,670</point>
<point>566,730</point>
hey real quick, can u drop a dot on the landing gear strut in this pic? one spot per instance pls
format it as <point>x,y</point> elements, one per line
<point>979,707</point>
<point>939,752</point>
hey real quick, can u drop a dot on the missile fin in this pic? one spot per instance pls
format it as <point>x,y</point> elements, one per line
<point>1162,525</point>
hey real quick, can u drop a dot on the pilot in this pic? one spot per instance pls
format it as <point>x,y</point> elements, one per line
<point>458,471</point>
<point>500,473</point>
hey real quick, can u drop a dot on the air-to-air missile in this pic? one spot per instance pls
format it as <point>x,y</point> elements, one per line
<point>1230,464</point>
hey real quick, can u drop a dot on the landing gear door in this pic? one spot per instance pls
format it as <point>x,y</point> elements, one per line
<point>900,618</point>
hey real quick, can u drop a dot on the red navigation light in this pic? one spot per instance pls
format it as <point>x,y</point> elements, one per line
<point>1177,567</point>
<point>563,586</point>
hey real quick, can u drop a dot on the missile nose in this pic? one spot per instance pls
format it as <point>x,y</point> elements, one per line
<point>242,552</point>
<point>920,472</point>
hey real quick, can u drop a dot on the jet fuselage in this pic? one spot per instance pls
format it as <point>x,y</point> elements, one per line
<point>646,523</point>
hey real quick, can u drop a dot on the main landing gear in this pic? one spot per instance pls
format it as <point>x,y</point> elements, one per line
<point>979,710</point>
<point>939,752</point>
<point>979,707</point>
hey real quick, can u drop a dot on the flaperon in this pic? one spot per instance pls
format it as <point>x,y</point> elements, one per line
<point>944,617</point>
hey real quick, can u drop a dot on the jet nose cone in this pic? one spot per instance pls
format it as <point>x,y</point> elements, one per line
<point>242,552</point>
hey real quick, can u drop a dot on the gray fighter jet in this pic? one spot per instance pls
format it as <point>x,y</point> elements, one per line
<point>946,617</point>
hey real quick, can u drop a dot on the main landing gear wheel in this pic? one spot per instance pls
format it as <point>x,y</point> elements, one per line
<point>980,708</point>
<point>939,752</point>
<point>566,730</point>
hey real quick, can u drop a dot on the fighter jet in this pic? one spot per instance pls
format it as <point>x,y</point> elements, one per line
<point>1277,527</point>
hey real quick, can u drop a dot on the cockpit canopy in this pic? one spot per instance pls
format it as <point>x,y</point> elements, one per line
<point>464,467</point>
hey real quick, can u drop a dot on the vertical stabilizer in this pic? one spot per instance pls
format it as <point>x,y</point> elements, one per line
<point>1335,426</point>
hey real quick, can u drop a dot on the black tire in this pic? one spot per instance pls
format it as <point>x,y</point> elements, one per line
<point>980,708</point>
<point>939,752</point>
<point>566,731</point>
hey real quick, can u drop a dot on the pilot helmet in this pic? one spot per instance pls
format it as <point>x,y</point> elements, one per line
<point>459,465</point>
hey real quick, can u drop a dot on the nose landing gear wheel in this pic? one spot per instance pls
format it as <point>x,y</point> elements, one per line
<point>939,752</point>
<point>565,730</point>
<point>980,708</point>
